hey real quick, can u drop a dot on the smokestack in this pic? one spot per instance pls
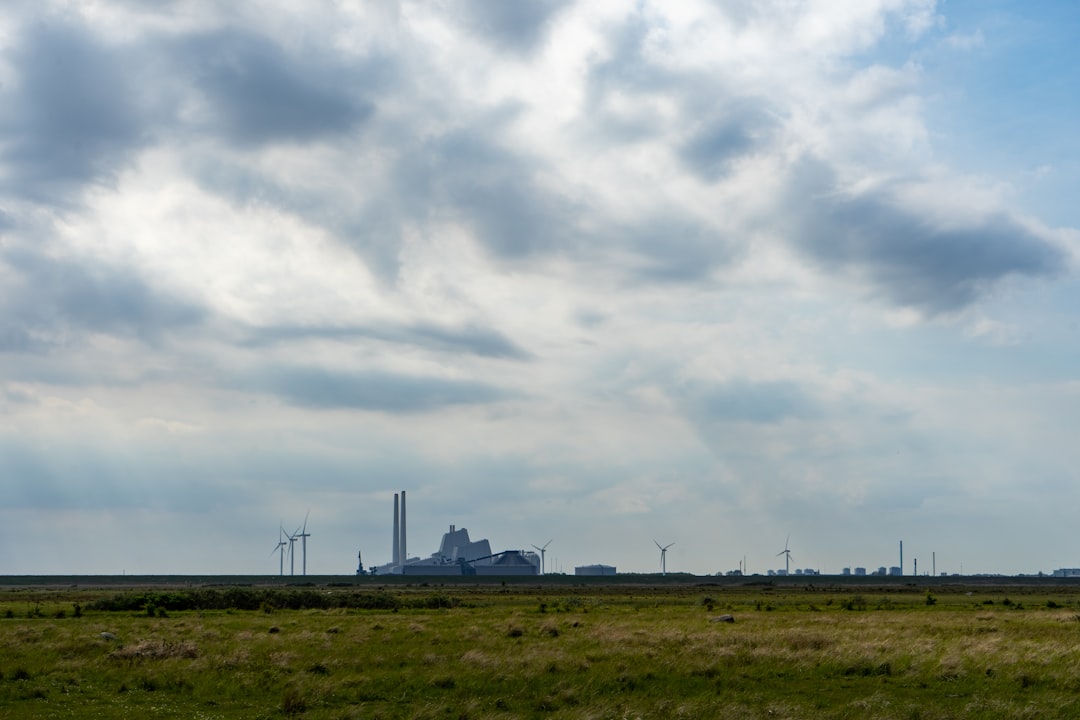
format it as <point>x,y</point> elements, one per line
<point>901,557</point>
<point>397,534</point>
<point>404,552</point>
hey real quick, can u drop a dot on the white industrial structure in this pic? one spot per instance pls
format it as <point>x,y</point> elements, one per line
<point>457,554</point>
<point>594,570</point>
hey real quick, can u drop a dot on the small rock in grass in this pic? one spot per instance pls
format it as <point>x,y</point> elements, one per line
<point>723,618</point>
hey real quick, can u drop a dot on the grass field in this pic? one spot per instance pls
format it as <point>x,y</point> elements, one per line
<point>493,651</point>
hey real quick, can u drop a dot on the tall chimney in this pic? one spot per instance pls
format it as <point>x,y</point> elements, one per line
<point>404,552</point>
<point>397,534</point>
<point>901,557</point>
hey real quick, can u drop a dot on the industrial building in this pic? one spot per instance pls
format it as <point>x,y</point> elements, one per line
<point>594,570</point>
<point>457,554</point>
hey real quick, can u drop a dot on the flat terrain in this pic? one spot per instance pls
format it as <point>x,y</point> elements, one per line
<point>336,648</point>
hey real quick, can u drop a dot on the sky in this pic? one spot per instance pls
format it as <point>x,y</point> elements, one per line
<point>719,273</point>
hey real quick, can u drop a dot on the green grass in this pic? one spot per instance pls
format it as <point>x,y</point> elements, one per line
<point>540,651</point>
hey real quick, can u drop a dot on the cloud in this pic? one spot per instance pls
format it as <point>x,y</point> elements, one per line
<point>375,391</point>
<point>915,256</point>
<point>258,94</point>
<point>472,340</point>
<point>57,300</point>
<point>515,26</point>
<point>714,146</point>
<point>495,190</point>
<point>526,260</point>
<point>742,401</point>
<point>71,117</point>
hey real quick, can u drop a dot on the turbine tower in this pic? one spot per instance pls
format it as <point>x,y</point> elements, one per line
<point>292,554</point>
<point>280,550</point>
<point>663,556</point>
<point>787,556</point>
<point>542,551</point>
<point>304,535</point>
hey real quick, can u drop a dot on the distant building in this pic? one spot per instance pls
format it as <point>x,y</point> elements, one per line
<point>594,570</point>
<point>457,554</point>
<point>508,562</point>
<point>845,571</point>
<point>894,570</point>
<point>860,571</point>
<point>1067,572</point>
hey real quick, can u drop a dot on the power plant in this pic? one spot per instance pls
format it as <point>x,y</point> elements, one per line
<point>457,554</point>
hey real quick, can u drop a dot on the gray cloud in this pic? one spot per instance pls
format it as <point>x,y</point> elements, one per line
<point>260,94</point>
<point>715,145</point>
<point>497,191</point>
<point>72,116</point>
<point>476,340</point>
<point>472,340</point>
<point>517,26</point>
<point>912,258</point>
<point>750,402</point>
<point>377,391</point>
<point>678,250</point>
<point>53,297</point>
<point>626,72</point>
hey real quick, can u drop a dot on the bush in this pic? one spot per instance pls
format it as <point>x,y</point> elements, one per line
<point>266,600</point>
<point>855,603</point>
<point>292,702</point>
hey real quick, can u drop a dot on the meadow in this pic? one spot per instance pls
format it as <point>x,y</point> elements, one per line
<point>541,650</point>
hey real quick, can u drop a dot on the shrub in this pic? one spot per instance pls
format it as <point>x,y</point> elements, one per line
<point>293,702</point>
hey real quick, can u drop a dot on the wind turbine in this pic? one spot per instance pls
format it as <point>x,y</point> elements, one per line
<point>292,555</point>
<point>787,556</point>
<point>304,535</point>
<point>280,549</point>
<point>542,551</point>
<point>663,556</point>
